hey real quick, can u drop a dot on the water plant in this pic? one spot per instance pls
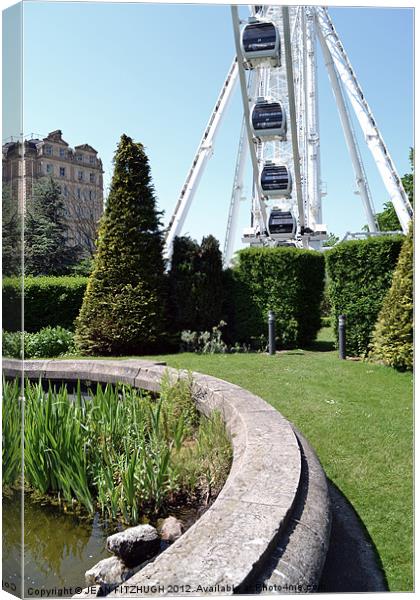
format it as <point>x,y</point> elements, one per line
<point>11,432</point>
<point>116,448</point>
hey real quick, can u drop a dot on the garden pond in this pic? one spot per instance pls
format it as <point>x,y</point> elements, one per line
<point>59,547</point>
<point>95,462</point>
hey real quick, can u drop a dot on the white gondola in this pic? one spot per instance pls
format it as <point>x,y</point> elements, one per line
<point>282,225</point>
<point>268,120</point>
<point>260,43</point>
<point>276,181</point>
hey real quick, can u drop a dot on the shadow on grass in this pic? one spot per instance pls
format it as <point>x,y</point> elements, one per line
<point>352,563</point>
<point>320,346</point>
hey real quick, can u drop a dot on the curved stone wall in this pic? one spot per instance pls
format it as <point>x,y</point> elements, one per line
<point>267,531</point>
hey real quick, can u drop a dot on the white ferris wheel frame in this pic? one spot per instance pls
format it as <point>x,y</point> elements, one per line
<point>296,81</point>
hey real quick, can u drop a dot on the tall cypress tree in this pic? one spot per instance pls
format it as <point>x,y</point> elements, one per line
<point>123,307</point>
<point>195,284</point>
<point>209,284</point>
<point>182,284</point>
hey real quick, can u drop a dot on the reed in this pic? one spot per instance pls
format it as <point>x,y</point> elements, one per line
<point>11,432</point>
<point>116,449</point>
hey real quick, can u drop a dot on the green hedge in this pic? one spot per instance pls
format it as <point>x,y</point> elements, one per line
<point>49,301</point>
<point>360,274</point>
<point>288,281</point>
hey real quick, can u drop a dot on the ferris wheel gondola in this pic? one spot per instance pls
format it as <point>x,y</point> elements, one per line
<point>282,225</point>
<point>268,120</point>
<point>260,43</point>
<point>276,181</point>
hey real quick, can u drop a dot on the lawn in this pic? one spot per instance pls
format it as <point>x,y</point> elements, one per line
<point>358,417</point>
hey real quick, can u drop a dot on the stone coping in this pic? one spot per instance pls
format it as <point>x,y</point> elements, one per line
<point>258,520</point>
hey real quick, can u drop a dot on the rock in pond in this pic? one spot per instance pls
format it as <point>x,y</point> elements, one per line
<point>171,529</point>
<point>108,572</point>
<point>135,544</point>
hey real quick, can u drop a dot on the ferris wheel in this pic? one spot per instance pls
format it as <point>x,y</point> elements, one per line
<point>276,65</point>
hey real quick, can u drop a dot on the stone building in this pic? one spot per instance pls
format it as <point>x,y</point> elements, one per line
<point>78,172</point>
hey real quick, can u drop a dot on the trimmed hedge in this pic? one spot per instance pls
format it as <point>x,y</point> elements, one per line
<point>49,301</point>
<point>288,281</point>
<point>393,334</point>
<point>360,274</point>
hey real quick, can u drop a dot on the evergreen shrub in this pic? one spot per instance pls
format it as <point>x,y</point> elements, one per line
<point>49,301</point>
<point>360,274</point>
<point>393,334</point>
<point>195,284</point>
<point>124,304</point>
<point>288,281</point>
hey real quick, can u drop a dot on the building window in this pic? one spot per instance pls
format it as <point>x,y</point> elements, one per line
<point>49,168</point>
<point>91,160</point>
<point>62,171</point>
<point>63,153</point>
<point>80,175</point>
<point>78,193</point>
<point>91,195</point>
<point>79,157</point>
<point>48,150</point>
<point>66,192</point>
<point>92,178</point>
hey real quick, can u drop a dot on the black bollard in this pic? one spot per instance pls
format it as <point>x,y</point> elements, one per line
<point>342,336</point>
<point>271,333</point>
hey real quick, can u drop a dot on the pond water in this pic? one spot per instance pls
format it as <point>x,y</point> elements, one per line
<point>59,547</point>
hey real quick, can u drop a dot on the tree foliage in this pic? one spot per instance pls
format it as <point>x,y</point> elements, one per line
<point>387,219</point>
<point>195,284</point>
<point>45,245</point>
<point>181,278</point>
<point>331,240</point>
<point>11,233</point>
<point>123,306</point>
<point>393,334</point>
<point>209,285</point>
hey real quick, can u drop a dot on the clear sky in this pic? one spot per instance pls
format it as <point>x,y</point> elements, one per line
<point>97,70</point>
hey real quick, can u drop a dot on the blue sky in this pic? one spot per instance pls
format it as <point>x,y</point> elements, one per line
<point>98,70</point>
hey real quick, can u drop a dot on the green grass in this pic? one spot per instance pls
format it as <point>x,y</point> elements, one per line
<point>358,417</point>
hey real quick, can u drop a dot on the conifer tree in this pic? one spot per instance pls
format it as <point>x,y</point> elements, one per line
<point>182,289</point>
<point>123,306</point>
<point>195,284</point>
<point>393,335</point>
<point>209,284</point>
<point>11,233</point>
<point>46,248</point>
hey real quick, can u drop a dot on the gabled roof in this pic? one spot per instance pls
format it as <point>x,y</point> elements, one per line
<point>86,147</point>
<point>55,136</point>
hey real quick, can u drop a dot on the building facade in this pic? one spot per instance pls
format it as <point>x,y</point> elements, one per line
<point>77,171</point>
